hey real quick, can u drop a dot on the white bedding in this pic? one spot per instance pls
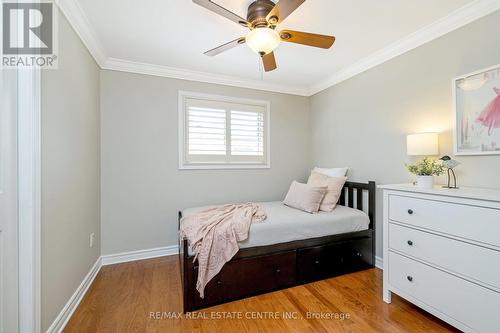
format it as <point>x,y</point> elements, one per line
<point>286,224</point>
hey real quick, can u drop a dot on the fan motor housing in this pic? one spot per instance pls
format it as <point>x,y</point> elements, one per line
<point>257,12</point>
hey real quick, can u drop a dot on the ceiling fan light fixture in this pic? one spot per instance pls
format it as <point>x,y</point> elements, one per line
<point>263,40</point>
<point>261,19</point>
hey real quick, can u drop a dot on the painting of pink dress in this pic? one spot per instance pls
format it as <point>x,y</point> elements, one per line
<point>477,110</point>
<point>490,116</point>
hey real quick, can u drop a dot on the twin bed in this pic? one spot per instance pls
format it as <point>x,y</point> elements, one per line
<point>291,247</point>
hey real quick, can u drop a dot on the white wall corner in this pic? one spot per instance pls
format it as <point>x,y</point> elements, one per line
<point>456,19</point>
<point>117,258</point>
<point>72,304</point>
<point>379,262</point>
<point>80,23</point>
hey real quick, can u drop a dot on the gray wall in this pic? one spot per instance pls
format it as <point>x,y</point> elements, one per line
<point>70,172</point>
<point>363,122</point>
<point>142,188</point>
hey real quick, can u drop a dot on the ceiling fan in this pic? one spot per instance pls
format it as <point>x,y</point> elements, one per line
<point>262,18</point>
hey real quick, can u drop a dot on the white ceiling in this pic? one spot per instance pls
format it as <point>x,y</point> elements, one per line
<point>175,33</point>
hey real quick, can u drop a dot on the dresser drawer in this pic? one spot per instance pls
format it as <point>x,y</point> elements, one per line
<point>466,302</point>
<point>453,255</point>
<point>469,222</point>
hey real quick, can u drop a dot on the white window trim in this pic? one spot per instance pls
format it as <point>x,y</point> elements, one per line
<point>29,199</point>
<point>183,95</point>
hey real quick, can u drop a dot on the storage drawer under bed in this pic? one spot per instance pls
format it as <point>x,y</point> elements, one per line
<point>320,262</point>
<point>248,276</point>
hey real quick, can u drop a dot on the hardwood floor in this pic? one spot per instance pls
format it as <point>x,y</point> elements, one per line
<point>145,296</point>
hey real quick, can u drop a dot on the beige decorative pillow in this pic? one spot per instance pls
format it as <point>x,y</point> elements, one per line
<point>305,197</point>
<point>334,185</point>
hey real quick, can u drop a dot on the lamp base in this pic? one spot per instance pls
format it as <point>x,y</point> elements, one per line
<point>451,187</point>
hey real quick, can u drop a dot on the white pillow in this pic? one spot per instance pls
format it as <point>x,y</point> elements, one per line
<point>305,197</point>
<point>332,172</point>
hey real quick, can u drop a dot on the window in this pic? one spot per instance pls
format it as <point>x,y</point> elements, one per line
<point>218,132</point>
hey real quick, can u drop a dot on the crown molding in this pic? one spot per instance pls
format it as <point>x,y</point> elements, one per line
<point>80,23</point>
<point>456,19</point>
<point>185,74</point>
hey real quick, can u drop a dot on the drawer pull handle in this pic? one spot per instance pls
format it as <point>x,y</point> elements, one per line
<point>316,262</point>
<point>409,278</point>
<point>410,211</point>
<point>219,283</point>
<point>410,243</point>
<point>278,271</point>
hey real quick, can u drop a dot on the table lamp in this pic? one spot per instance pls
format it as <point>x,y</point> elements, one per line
<point>422,144</point>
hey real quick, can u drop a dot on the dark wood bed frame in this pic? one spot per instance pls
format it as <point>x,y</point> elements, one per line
<point>261,269</point>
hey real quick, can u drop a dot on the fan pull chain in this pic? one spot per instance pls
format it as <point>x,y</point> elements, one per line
<point>261,68</point>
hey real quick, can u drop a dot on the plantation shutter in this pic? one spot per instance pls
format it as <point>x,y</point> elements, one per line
<point>247,133</point>
<point>224,133</point>
<point>206,131</point>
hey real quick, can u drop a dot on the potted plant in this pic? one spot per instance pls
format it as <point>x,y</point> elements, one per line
<point>425,170</point>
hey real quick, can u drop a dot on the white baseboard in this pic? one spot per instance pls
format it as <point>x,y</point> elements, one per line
<point>70,307</point>
<point>117,258</point>
<point>379,262</point>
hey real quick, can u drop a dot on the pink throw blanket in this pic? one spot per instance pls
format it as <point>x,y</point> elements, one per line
<point>214,233</point>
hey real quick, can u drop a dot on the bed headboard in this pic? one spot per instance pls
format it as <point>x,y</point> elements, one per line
<point>354,191</point>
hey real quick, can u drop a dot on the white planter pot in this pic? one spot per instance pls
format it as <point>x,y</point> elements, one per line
<point>425,181</point>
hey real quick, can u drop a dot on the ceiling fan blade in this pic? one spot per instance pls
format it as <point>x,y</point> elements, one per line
<point>282,9</point>
<point>306,38</point>
<point>212,6</point>
<point>225,47</point>
<point>269,62</point>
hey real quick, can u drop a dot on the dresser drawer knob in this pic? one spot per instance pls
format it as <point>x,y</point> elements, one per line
<point>278,271</point>
<point>410,243</point>
<point>410,211</point>
<point>316,262</point>
<point>409,278</point>
<point>219,283</point>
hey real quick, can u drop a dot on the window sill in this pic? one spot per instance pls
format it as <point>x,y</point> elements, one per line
<point>223,166</point>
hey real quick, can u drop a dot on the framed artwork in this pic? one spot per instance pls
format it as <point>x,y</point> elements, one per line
<point>476,101</point>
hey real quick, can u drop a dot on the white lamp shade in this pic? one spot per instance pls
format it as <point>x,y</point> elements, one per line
<point>422,144</point>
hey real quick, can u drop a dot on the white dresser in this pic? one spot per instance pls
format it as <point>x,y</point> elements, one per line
<point>442,253</point>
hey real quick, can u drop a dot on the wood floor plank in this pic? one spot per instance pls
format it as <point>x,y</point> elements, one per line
<point>146,296</point>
